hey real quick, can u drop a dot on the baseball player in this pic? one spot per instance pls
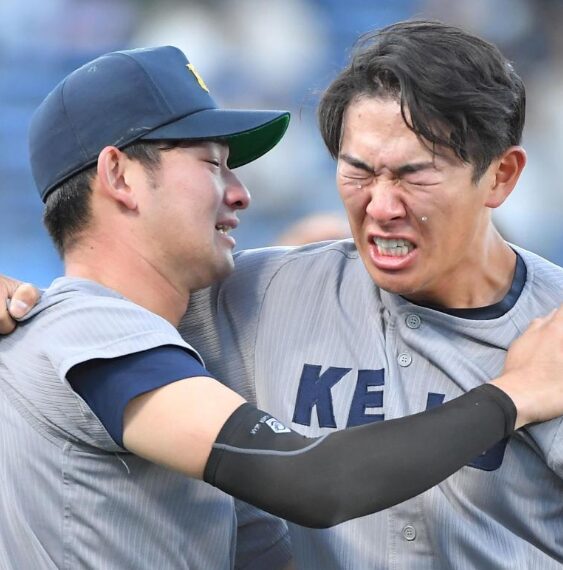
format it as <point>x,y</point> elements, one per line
<point>425,124</point>
<point>139,231</point>
<point>110,421</point>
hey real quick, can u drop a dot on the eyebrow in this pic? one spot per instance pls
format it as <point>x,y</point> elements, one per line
<point>414,167</point>
<point>355,162</point>
<point>408,168</point>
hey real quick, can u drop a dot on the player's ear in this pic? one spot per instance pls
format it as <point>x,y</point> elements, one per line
<point>506,172</point>
<point>113,177</point>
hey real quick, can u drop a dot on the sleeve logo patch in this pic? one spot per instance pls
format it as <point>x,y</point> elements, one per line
<point>200,80</point>
<point>276,426</point>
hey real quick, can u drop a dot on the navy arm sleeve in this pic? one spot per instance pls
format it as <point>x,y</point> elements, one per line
<point>108,385</point>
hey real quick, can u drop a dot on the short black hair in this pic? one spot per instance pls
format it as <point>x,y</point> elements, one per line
<point>67,209</point>
<point>455,89</point>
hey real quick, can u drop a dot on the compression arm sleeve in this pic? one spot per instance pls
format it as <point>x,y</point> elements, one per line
<point>321,482</point>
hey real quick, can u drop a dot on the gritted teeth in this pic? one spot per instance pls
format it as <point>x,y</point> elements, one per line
<point>393,247</point>
<point>222,228</point>
<point>388,243</point>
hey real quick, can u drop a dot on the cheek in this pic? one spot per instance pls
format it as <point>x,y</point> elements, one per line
<point>439,207</point>
<point>200,207</point>
<point>355,202</point>
<point>451,227</point>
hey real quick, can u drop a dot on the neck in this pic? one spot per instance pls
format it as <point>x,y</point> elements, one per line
<point>122,267</point>
<point>480,279</point>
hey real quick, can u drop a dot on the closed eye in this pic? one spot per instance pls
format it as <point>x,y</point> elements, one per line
<point>354,174</point>
<point>358,176</point>
<point>421,182</point>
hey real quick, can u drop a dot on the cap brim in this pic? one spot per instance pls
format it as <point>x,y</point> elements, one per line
<point>250,134</point>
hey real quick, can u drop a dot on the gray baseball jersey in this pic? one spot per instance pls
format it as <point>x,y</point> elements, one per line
<point>70,497</point>
<point>329,349</point>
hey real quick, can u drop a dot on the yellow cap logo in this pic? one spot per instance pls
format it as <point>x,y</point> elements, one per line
<point>197,76</point>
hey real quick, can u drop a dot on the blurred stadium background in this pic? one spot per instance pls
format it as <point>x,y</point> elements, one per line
<point>267,54</point>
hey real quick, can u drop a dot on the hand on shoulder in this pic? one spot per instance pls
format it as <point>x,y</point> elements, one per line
<point>16,299</point>
<point>533,370</point>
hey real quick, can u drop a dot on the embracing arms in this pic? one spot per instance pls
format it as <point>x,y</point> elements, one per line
<point>200,427</point>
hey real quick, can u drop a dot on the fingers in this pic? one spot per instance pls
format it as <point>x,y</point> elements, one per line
<point>16,299</point>
<point>532,372</point>
<point>7,324</point>
<point>24,297</point>
<point>552,316</point>
<point>7,288</point>
<point>540,320</point>
<point>556,314</point>
<point>552,321</point>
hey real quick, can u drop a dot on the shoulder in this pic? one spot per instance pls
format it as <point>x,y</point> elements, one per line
<point>543,289</point>
<point>540,266</point>
<point>256,270</point>
<point>78,320</point>
<point>81,300</point>
<point>283,276</point>
<point>271,259</point>
<point>543,277</point>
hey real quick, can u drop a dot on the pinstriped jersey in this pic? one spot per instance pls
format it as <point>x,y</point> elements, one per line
<point>70,496</point>
<point>328,349</point>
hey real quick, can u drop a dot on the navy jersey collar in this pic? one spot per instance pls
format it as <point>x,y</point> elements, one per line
<point>497,309</point>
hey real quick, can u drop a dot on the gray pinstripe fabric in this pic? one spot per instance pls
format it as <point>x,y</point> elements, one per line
<point>70,497</point>
<point>284,308</point>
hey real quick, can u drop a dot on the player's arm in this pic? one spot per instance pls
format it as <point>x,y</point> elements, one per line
<point>176,425</point>
<point>307,480</point>
<point>201,428</point>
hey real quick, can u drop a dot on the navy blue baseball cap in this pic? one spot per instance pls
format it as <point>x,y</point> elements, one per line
<point>125,96</point>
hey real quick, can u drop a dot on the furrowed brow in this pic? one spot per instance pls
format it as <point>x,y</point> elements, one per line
<point>355,162</point>
<point>414,167</point>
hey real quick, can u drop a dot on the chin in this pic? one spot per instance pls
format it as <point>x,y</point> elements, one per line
<point>212,273</point>
<point>397,284</point>
<point>224,268</point>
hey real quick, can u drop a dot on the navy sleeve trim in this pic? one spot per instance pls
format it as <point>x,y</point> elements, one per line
<point>108,385</point>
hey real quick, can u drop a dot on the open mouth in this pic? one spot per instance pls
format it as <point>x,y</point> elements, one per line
<point>393,247</point>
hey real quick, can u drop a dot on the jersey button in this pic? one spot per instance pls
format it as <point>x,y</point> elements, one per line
<point>413,321</point>
<point>404,359</point>
<point>409,532</point>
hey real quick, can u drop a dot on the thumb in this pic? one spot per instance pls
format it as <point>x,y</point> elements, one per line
<point>23,298</point>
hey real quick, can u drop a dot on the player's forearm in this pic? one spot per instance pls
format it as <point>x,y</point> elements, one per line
<point>325,481</point>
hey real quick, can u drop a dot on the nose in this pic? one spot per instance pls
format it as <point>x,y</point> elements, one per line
<point>385,203</point>
<point>237,196</point>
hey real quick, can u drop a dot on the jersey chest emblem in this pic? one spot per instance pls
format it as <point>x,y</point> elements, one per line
<point>314,395</point>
